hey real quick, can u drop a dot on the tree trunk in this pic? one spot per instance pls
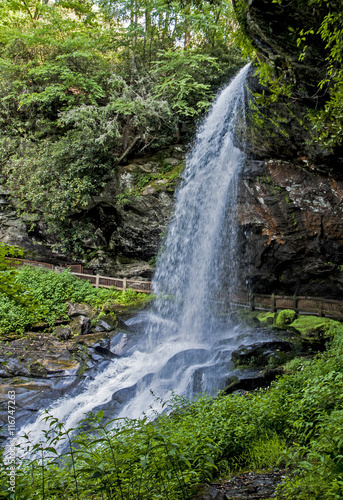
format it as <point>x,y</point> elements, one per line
<point>187,27</point>
<point>134,41</point>
<point>147,31</point>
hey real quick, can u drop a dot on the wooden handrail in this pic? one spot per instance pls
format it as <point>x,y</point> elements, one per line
<point>321,306</point>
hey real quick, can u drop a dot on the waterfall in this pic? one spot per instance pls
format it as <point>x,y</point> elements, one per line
<point>190,268</point>
<point>186,343</point>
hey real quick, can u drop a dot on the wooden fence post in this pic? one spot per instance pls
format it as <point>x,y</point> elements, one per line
<point>295,303</point>
<point>273,303</point>
<point>321,314</point>
<point>252,305</point>
<point>124,284</point>
<point>97,281</point>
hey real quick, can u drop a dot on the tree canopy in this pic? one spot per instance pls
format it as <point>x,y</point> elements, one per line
<point>84,83</point>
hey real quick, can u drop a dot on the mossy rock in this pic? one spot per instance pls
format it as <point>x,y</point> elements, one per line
<point>248,318</point>
<point>285,318</point>
<point>262,354</point>
<point>63,333</point>
<point>317,328</point>
<point>266,318</point>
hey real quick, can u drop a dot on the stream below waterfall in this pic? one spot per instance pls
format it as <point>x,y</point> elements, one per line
<point>183,344</point>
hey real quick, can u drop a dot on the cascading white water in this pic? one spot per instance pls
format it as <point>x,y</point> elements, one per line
<point>186,344</point>
<point>190,268</point>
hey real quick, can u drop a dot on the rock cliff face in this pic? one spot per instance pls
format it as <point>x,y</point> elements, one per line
<point>131,214</point>
<point>274,27</point>
<point>291,235</point>
<point>291,192</point>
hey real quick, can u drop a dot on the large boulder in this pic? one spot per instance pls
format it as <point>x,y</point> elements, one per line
<point>76,309</point>
<point>63,333</point>
<point>110,323</point>
<point>263,354</point>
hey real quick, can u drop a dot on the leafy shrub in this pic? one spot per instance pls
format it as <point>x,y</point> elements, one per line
<point>15,317</point>
<point>103,298</point>
<point>319,466</point>
<point>50,293</point>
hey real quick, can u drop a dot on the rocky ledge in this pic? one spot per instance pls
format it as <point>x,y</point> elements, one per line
<point>245,486</point>
<point>291,335</point>
<point>41,367</point>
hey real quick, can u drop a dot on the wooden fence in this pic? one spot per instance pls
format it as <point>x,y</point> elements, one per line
<point>86,274</point>
<point>119,283</point>
<point>304,305</point>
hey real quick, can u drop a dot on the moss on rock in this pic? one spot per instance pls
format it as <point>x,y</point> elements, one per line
<point>285,318</point>
<point>316,327</point>
<point>266,318</point>
<point>248,318</point>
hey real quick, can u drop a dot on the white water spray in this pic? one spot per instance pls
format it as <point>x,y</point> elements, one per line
<point>186,345</point>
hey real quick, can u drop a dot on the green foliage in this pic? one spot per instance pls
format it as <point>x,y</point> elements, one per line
<point>297,421</point>
<point>49,293</point>
<point>181,85</point>
<point>57,178</point>
<point>266,452</point>
<point>240,35</point>
<point>48,297</point>
<point>328,122</point>
<point>168,174</point>
<point>9,288</point>
<point>83,85</point>
<point>105,298</point>
<point>319,466</point>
